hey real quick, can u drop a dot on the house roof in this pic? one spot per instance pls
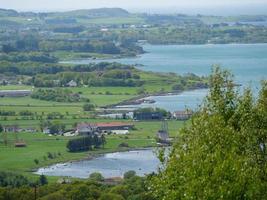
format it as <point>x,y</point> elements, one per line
<point>84,125</point>
<point>102,125</point>
<point>112,124</point>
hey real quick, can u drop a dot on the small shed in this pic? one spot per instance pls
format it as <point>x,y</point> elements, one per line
<point>20,144</point>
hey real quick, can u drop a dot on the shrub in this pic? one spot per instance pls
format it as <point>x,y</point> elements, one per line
<point>96,176</point>
<point>123,144</point>
<point>129,174</point>
<point>36,161</point>
<point>88,107</point>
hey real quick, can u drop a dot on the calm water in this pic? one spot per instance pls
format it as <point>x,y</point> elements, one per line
<point>248,62</point>
<point>109,165</point>
<point>185,100</point>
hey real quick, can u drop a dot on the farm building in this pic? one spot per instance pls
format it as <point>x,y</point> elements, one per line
<point>85,129</point>
<point>108,126</point>
<point>182,115</point>
<point>15,93</point>
<point>94,128</point>
<point>148,116</point>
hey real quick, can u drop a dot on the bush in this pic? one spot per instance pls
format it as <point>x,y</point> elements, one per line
<point>36,161</point>
<point>58,95</point>
<point>123,144</point>
<point>50,155</point>
<point>129,174</point>
<point>110,196</point>
<point>85,143</point>
<point>96,176</point>
<point>88,107</point>
<point>177,87</point>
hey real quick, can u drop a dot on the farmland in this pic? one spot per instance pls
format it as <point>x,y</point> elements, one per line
<point>39,145</point>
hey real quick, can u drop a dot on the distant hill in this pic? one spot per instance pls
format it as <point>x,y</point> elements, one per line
<point>96,13</point>
<point>8,13</point>
<point>84,13</point>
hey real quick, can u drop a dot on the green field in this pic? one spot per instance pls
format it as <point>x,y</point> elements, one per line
<point>21,160</point>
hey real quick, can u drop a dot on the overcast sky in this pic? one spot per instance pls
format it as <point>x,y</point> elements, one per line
<point>184,6</point>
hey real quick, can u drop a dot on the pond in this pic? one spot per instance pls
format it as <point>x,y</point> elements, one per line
<point>109,165</point>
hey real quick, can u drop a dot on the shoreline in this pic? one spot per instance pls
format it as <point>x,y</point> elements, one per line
<point>132,101</point>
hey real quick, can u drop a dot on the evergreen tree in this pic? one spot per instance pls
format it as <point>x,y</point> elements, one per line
<point>43,180</point>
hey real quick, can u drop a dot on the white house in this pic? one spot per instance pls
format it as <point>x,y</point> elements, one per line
<point>72,83</point>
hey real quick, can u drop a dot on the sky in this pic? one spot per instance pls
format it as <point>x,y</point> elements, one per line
<point>150,6</point>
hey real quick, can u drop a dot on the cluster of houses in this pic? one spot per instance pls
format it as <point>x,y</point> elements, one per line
<point>16,129</point>
<point>82,128</point>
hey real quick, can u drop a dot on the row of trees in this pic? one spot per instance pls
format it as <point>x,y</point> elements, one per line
<point>28,57</point>
<point>194,34</point>
<point>36,43</point>
<point>54,127</point>
<point>58,95</point>
<point>33,68</point>
<point>13,180</point>
<point>106,77</point>
<point>86,143</point>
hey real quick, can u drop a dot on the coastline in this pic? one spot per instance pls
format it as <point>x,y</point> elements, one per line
<point>133,100</point>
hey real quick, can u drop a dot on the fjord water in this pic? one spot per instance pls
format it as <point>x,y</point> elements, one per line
<point>248,63</point>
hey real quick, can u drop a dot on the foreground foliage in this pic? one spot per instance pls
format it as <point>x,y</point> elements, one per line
<point>132,188</point>
<point>222,154</point>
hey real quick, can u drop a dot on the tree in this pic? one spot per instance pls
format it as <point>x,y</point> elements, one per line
<point>129,174</point>
<point>43,180</point>
<point>222,153</point>
<point>88,107</point>
<point>36,161</point>
<point>96,176</point>
<point>1,128</point>
<point>7,48</point>
<point>103,140</point>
